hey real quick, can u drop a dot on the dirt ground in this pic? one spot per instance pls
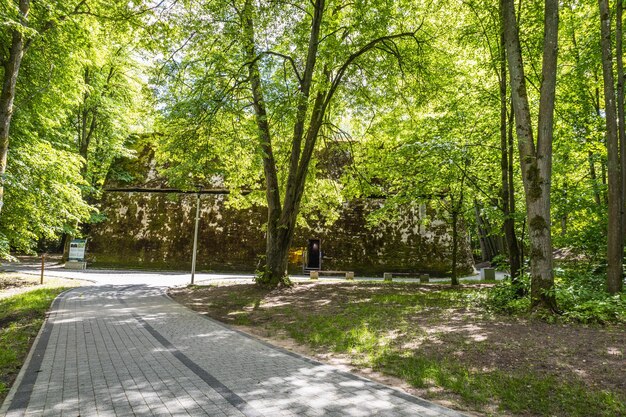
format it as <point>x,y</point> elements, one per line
<point>480,341</point>
<point>14,283</point>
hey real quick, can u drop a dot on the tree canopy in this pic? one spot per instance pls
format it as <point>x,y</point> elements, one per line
<point>504,116</point>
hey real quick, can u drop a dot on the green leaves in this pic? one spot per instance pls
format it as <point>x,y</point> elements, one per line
<point>43,195</point>
<point>79,95</point>
<point>414,117</point>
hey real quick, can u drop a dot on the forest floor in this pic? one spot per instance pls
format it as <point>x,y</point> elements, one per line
<point>434,342</point>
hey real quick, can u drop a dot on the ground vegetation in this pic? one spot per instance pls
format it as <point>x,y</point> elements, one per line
<point>459,346</point>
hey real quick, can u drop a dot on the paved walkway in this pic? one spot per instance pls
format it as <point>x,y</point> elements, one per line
<point>129,350</point>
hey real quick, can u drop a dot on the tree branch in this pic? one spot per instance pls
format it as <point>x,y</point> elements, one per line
<point>369,46</point>
<point>177,50</point>
<point>285,57</point>
<point>345,33</point>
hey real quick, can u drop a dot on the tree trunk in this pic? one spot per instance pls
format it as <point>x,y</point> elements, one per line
<point>621,127</point>
<point>482,236</point>
<point>506,164</point>
<point>66,240</point>
<point>85,126</point>
<point>605,196</point>
<point>455,245</point>
<point>535,158</point>
<point>614,235</point>
<point>7,96</point>
<point>490,245</point>
<point>521,246</point>
<point>282,217</point>
<point>457,209</point>
<point>276,255</point>
<point>594,178</point>
<point>515,254</point>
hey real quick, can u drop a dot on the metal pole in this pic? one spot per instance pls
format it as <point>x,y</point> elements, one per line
<point>43,259</point>
<point>195,240</point>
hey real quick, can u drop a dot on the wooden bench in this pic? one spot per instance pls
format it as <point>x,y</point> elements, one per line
<point>388,276</point>
<point>349,275</point>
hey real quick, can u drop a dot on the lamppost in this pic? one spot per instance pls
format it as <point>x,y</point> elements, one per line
<point>195,237</point>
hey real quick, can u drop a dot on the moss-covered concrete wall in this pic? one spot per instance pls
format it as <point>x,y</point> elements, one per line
<point>416,242</point>
<point>155,230</point>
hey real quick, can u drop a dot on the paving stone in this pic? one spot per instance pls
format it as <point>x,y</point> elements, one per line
<point>123,351</point>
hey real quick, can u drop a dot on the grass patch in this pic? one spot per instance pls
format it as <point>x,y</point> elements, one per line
<point>21,317</point>
<point>362,330</point>
<point>443,341</point>
<point>521,393</point>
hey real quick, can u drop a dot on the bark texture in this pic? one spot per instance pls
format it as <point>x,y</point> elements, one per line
<point>619,52</point>
<point>535,158</point>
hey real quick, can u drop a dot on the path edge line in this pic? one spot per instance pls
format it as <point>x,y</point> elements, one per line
<point>230,396</point>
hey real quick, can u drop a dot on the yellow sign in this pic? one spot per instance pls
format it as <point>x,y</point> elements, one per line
<point>296,256</point>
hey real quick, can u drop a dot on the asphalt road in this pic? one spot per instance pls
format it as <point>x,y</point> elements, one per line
<point>168,278</point>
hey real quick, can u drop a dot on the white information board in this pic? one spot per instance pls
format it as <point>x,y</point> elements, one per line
<point>77,250</point>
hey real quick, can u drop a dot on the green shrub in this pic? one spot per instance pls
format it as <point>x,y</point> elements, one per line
<point>504,297</point>
<point>581,296</point>
<point>501,263</point>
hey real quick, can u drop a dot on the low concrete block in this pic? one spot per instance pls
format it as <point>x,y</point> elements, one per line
<point>488,274</point>
<point>388,276</point>
<point>314,274</point>
<point>75,265</point>
<point>349,275</point>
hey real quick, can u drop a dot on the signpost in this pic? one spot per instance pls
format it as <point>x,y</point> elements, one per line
<point>43,265</point>
<point>77,250</point>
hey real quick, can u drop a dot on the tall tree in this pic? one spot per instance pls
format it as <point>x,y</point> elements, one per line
<point>23,31</point>
<point>615,239</point>
<point>506,161</point>
<point>282,216</point>
<point>489,21</point>
<point>294,71</point>
<point>44,48</point>
<point>112,107</point>
<point>535,157</point>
